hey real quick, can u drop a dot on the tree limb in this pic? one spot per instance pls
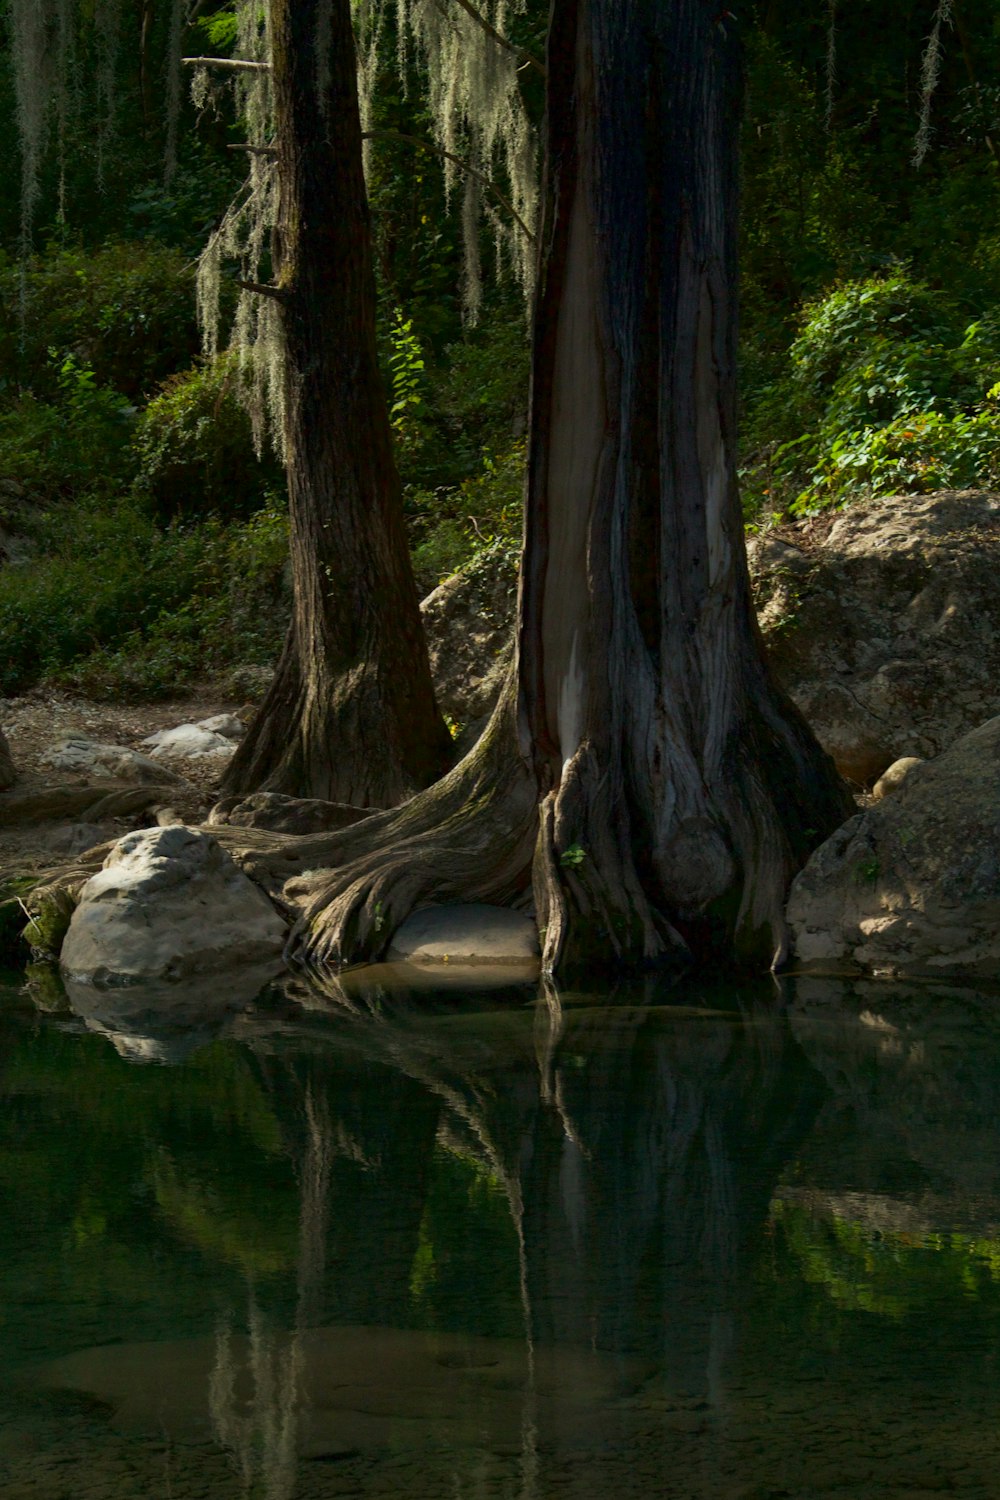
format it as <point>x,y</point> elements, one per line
<point>270,151</point>
<point>423,145</point>
<point>230,64</point>
<point>528,58</point>
<point>264,290</point>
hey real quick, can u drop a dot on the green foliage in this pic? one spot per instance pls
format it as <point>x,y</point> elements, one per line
<point>194,448</point>
<point>79,441</point>
<point>116,605</point>
<point>893,392</point>
<point>455,525</point>
<point>124,310</point>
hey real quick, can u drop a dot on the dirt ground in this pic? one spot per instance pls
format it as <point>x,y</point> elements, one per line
<point>37,720</point>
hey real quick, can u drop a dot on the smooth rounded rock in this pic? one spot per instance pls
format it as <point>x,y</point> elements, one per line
<point>78,754</point>
<point>467,934</point>
<point>189,742</point>
<point>168,903</point>
<point>892,779</point>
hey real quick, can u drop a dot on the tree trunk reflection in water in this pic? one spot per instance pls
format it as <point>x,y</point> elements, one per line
<point>638,1150</point>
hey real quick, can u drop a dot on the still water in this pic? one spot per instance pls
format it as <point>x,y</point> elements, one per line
<point>691,1242</point>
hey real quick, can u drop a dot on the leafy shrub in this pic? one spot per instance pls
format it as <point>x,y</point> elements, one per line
<point>194,448</point>
<point>892,395</point>
<point>124,310</point>
<point>77,442</point>
<point>454,525</point>
<point>842,326</point>
<point>118,606</point>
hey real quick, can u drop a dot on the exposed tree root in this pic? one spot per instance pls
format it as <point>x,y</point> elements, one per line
<point>469,838</point>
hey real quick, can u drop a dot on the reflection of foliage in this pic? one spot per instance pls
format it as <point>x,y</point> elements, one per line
<point>238,1234</point>
<point>891,1273</point>
<point>466,1258</point>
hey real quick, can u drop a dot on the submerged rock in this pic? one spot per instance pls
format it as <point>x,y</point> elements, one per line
<point>168,903</point>
<point>912,886</point>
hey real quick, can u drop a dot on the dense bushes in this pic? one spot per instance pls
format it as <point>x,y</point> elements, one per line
<point>116,605</point>
<point>887,388</point>
<point>194,452</point>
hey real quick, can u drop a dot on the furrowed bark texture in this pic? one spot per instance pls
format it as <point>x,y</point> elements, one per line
<point>680,790</point>
<point>675,790</point>
<point>351,715</point>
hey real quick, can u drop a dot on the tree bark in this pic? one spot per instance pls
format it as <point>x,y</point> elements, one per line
<point>680,790</point>
<point>351,715</point>
<point>677,790</point>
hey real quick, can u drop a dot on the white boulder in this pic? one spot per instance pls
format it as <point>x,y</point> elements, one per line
<point>228,725</point>
<point>189,742</point>
<point>912,885</point>
<point>466,934</point>
<point>75,753</point>
<point>168,903</point>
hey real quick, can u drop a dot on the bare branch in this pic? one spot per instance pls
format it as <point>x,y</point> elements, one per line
<point>422,145</point>
<point>269,151</point>
<point>230,64</point>
<point>263,290</point>
<point>527,58</point>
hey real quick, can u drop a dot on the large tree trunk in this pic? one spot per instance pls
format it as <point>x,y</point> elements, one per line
<point>351,715</point>
<point>678,790</point>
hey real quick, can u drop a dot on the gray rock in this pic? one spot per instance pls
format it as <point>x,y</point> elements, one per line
<point>189,742</point>
<point>469,622</point>
<point>912,886</point>
<point>280,814</point>
<point>82,756</point>
<point>886,631</point>
<point>168,903</point>
<point>228,725</point>
<point>470,934</point>
<point>891,780</point>
<point>8,775</point>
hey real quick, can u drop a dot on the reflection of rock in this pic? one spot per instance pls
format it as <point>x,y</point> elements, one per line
<point>166,1022</point>
<point>357,1388</point>
<point>168,903</point>
<point>914,1079</point>
<point>912,886</point>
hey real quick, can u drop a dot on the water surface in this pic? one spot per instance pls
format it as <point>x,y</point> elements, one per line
<point>720,1242</point>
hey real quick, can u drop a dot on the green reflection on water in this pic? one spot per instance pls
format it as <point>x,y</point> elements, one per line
<point>739,1244</point>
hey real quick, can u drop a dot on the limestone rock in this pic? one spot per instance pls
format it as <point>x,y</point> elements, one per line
<point>8,775</point>
<point>190,742</point>
<point>84,756</point>
<point>228,725</point>
<point>168,903</point>
<point>886,631</point>
<point>280,814</point>
<point>469,621</point>
<point>912,886</point>
<point>473,933</point>
<point>892,779</point>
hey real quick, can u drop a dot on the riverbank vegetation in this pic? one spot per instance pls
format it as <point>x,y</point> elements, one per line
<point>133,506</point>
